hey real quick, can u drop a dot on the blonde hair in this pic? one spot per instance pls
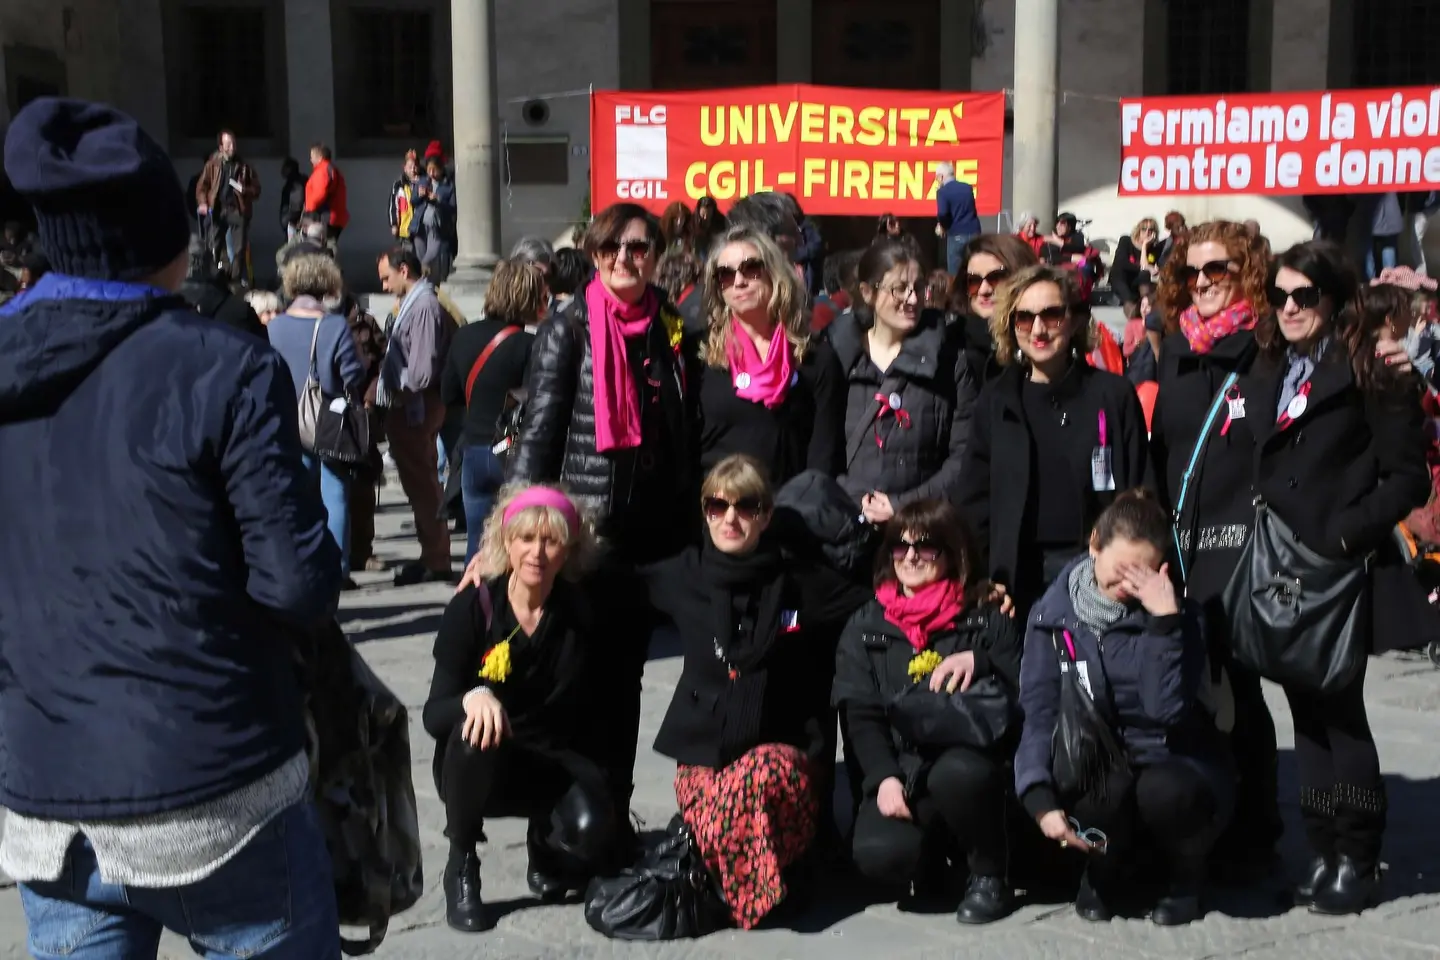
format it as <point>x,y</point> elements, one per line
<point>1002,322</point>
<point>495,558</point>
<point>264,301</point>
<point>739,475</point>
<point>1149,223</point>
<point>516,292</point>
<point>311,275</point>
<point>788,300</point>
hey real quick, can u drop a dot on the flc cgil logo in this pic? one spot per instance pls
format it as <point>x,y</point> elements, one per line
<point>642,152</point>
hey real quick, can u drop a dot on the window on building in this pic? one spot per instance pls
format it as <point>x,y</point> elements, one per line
<point>395,94</point>
<point>1207,46</point>
<point>708,43</point>
<point>224,80</point>
<point>878,43</point>
<point>1395,43</point>
<point>537,161</point>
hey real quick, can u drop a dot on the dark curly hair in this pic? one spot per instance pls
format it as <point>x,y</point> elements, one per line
<point>1246,251</point>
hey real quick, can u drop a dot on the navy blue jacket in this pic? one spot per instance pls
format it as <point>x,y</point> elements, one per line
<point>162,545</point>
<point>955,209</point>
<point>1145,674</point>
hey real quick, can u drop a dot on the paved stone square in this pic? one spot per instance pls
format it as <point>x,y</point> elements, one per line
<point>395,629</point>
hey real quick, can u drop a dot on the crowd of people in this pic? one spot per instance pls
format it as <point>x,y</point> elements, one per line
<point>914,517</point>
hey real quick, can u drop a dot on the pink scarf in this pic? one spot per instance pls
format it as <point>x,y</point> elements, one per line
<point>1204,334</point>
<point>617,402</point>
<point>760,381</point>
<point>930,609</point>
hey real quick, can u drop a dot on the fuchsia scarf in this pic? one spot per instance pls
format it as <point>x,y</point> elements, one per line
<point>1204,334</point>
<point>760,381</point>
<point>928,610</point>
<point>617,401</point>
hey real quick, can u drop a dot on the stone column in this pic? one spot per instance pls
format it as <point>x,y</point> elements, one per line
<point>1037,79</point>
<point>472,36</point>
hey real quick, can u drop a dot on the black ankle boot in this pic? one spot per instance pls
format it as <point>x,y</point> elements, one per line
<point>1318,874</point>
<point>1088,903</point>
<point>987,899</point>
<point>1180,903</point>
<point>1349,889</point>
<point>541,876</point>
<point>464,910</point>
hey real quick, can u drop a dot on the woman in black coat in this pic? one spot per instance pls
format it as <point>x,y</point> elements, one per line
<point>1341,460</point>
<point>1050,440</point>
<point>745,722</point>
<point>990,259</point>
<point>909,390</point>
<point>607,415</point>
<point>512,706</point>
<point>928,624</point>
<point>1135,262</point>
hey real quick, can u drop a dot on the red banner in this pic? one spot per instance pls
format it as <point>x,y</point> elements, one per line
<point>1337,141</point>
<point>838,150</point>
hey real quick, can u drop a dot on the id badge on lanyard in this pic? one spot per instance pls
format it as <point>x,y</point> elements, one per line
<point>1102,468</point>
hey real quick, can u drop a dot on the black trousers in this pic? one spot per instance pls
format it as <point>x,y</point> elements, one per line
<point>1342,794</point>
<point>1172,805</point>
<point>567,804</point>
<point>963,795</point>
<point>1256,826</point>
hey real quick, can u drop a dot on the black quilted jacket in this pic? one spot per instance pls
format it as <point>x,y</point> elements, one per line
<point>557,442</point>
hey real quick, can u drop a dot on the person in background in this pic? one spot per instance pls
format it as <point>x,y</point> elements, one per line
<point>988,260</point>
<point>407,205</point>
<point>325,194</point>
<point>310,239</point>
<point>834,300</point>
<point>440,220</point>
<point>409,393</point>
<point>265,303</point>
<point>292,198</point>
<point>1051,440</point>
<point>888,226</point>
<point>937,290</point>
<point>208,291</point>
<point>1030,232</point>
<point>677,273</point>
<point>811,254</point>
<point>154,722</point>
<point>956,221</point>
<point>1176,230</point>
<point>928,622</point>
<point>226,193</point>
<point>709,221</point>
<point>1330,214</point>
<point>487,360</point>
<point>368,475</point>
<point>535,251</point>
<point>1139,651</point>
<point>570,271</point>
<point>1420,206</point>
<point>676,228</point>
<point>1135,263</point>
<point>1387,222</point>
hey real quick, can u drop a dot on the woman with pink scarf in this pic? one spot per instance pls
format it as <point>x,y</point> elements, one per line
<point>768,388</point>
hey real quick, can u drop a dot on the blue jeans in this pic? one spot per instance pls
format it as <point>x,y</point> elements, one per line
<point>954,248</point>
<point>335,494</point>
<point>481,476</point>
<point>274,899</point>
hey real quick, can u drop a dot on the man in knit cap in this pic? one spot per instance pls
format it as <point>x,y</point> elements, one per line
<point>161,541</point>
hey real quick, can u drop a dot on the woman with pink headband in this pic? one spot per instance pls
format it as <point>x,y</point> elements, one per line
<point>510,710</point>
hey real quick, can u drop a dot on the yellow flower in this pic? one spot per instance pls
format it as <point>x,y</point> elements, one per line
<point>923,664</point>
<point>674,326</point>
<point>496,667</point>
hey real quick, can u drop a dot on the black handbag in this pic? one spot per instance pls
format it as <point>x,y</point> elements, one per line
<point>1085,753</point>
<point>669,895</point>
<point>979,717</point>
<point>342,432</point>
<point>1297,618</point>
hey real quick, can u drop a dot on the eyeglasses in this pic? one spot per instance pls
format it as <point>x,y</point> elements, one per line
<point>1216,271</point>
<point>902,291</point>
<point>1052,317</point>
<point>746,508</point>
<point>926,550</point>
<point>973,281</point>
<point>1306,298</point>
<point>638,249</point>
<point>751,268</point>
<point>1095,837</point>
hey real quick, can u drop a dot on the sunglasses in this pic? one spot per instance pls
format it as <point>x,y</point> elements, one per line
<point>926,551</point>
<point>1092,835</point>
<point>1052,317</point>
<point>638,249</point>
<point>751,268</point>
<point>1216,271</point>
<point>1306,298</point>
<point>746,508</point>
<point>973,281</point>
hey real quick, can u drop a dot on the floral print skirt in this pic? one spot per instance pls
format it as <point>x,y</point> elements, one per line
<point>751,820</point>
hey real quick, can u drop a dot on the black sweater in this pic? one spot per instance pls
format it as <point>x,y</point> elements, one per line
<point>504,371</point>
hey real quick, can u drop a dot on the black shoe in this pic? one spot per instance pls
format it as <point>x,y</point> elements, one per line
<point>542,876</point>
<point>1089,906</point>
<point>1318,875</point>
<point>1351,888</point>
<point>349,584</point>
<point>987,899</point>
<point>414,573</point>
<point>464,910</point>
<point>1176,909</point>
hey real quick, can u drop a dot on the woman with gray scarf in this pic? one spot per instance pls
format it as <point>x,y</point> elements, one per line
<point>1138,652</point>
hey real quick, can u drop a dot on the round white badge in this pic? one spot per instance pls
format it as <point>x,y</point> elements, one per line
<point>1296,407</point>
<point>742,381</point>
<point>894,401</point>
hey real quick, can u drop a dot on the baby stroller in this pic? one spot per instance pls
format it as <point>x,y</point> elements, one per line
<point>1417,538</point>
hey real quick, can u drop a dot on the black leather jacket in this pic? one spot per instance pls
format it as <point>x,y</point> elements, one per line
<point>557,442</point>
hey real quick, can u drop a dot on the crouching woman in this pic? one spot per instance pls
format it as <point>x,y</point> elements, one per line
<point>511,709</point>
<point>1158,772</point>
<point>930,623</point>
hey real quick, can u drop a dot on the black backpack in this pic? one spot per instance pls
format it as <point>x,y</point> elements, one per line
<point>816,518</point>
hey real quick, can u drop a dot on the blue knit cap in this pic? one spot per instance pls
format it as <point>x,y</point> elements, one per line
<point>106,196</point>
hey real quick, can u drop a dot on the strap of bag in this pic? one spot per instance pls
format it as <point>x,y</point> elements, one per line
<point>314,372</point>
<point>495,341</point>
<point>861,430</point>
<point>1200,442</point>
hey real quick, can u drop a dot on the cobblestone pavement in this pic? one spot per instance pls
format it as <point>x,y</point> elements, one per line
<point>395,629</point>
